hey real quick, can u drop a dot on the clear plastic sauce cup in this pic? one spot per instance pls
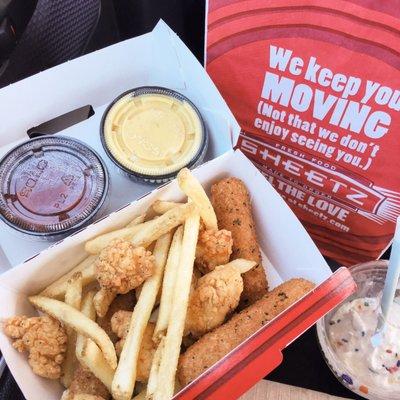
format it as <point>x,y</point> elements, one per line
<point>51,186</point>
<point>345,336</point>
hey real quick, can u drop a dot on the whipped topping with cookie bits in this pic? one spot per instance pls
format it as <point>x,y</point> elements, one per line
<point>350,331</point>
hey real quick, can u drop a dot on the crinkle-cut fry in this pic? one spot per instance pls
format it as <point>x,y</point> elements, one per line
<point>242,265</point>
<point>58,288</point>
<point>155,228</point>
<point>125,375</point>
<point>102,301</point>
<point>176,324</point>
<point>96,245</point>
<point>88,353</point>
<point>161,206</point>
<point>155,365</point>
<point>170,274</point>
<point>79,322</point>
<point>136,221</point>
<point>193,189</point>
<point>73,297</point>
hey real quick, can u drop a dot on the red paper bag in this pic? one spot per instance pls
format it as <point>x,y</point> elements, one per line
<point>315,86</point>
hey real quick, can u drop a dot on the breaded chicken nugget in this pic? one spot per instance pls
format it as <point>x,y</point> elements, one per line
<point>45,340</point>
<point>120,326</point>
<point>212,298</point>
<point>213,248</point>
<point>125,302</point>
<point>122,267</point>
<point>216,344</point>
<point>231,202</point>
<point>84,382</point>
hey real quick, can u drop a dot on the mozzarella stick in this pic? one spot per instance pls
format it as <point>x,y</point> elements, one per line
<point>231,202</point>
<point>216,344</point>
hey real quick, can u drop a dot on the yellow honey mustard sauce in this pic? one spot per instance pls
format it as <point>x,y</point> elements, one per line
<point>152,134</point>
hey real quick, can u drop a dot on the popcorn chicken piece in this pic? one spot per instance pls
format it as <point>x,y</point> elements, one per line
<point>124,302</point>
<point>119,269</point>
<point>213,248</point>
<point>213,297</point>
<point>84,382</point>
<point>43,338</point>
<point>120,326</point>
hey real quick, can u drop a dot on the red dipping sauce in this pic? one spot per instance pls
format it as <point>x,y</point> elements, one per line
<point>51,186</point>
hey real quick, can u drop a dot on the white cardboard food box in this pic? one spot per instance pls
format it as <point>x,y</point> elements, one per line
<point>157,58</point>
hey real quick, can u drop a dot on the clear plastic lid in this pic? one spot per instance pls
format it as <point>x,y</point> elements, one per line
<point>153,132</point>
<point>51,185</point>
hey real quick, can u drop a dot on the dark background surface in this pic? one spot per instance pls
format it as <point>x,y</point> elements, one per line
<point>122,19</point>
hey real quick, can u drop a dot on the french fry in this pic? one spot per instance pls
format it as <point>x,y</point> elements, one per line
<point>97,244</point>
<point>171,271</point>
<point>152,230</point>
<point>73,293</point>
<point>154,314</point>
<point>85,396</point>
<point>58,288</point>
<point>79,322</point>
<point>161,207</point>
<point>173,339</point>
<point>138,290</point>
<point>88,353</point>
<point>87,309</point>
<point>94,360</point>
<point>66,395</point>
<point>242,265</point>
<point>193,189</point>
<point>73,297</point>
<point>124,379</point>
<point>102,301</point>
<point>141,396</point>
<point>136,221</point>
<point>155,365</point>
<point>143,234</point>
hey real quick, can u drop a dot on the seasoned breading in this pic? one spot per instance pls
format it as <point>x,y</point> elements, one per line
<point>231,202</point>
<point>84,382</point>
<point>213,248</point>
<point>216,344</point>
<point>213,297</point>
<point>120,323</point>
<point>121,267</point>
<point>43,338</point>
<point>124,302</point>
<point>84,396</point>
<point>120,326</point>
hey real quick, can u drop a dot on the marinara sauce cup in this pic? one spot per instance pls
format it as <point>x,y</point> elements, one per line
<point>51,186</point>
